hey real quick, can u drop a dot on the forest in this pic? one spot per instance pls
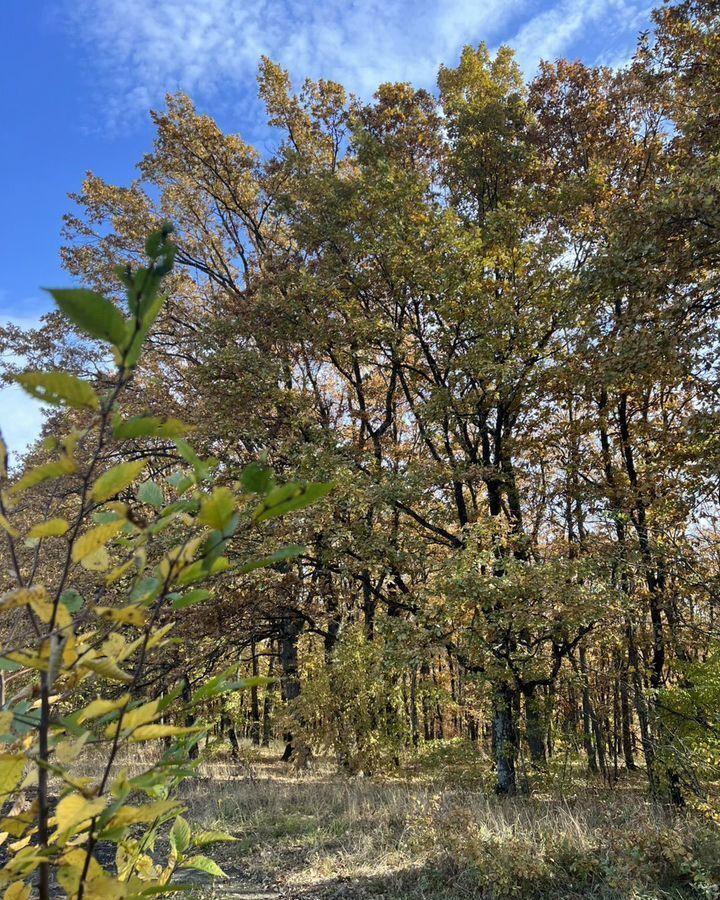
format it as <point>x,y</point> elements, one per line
<point>372,544</point>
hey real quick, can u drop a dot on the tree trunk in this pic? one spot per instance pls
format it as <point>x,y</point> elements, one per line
<point>254,700</point>
<point>268,701</point>
<point>535,726</point>
<point>412,702</point>
<point>369,607</point>
<point>641,708</point>
<point>626,720</point>
<point>587,714</point>
<point>505,739</point>
<point>189,716</point>
<point>290,630</point>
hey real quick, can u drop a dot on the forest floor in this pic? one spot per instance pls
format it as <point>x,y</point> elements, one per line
<point>439,833</point>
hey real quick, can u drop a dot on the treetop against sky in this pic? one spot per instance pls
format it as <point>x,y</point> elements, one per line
<point>80,76</point>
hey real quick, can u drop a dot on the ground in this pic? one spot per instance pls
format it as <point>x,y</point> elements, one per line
<point>437,834</point>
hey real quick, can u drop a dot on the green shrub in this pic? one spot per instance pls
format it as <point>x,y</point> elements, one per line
<point>101,562</point>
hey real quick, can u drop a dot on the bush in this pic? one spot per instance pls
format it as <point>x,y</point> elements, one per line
<point>99,568</point>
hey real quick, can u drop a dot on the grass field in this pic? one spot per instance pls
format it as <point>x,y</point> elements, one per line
<point>316,834</point>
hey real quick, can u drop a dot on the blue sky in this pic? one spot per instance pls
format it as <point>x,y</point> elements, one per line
<point>77,79</point>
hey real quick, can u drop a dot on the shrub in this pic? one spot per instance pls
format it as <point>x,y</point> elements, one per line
<point>99,569</point>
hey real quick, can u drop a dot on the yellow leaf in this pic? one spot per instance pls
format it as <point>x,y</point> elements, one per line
<point>73,810</point>
<point>22,597</point>
<point>115,480</point>
<point>49,528</point>
<point>97,537</point>
<point>102,707</point>
<point>67,751</point>
<point>30,780</point>
<point>70,655</point>
<point>17,891</point>
<point>86,786</point>
<point>115,646</point>
<point>29,659</point>
<point>120,786</point>
<point>71,868</point>
<point>97,561</point>
<point>135,815</point>
<point>24,862</point>
<point>152,732</point>
<point>6,719</point>
<point>118,572</point>
<point>104,887</point>
<point>60,389</point>
<point>6,526</point>
<point>179,557</point>
<point>55,469</point>
<point>43,609</point>
<point>11,770</point>
<point>126,615</point>
<point>18,825</point>
<point>141,715</point>
<point>108,668</point>
<point>18,845</point>
<point>158,635</point>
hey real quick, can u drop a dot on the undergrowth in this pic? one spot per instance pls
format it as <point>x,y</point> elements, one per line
<point>317,835</point>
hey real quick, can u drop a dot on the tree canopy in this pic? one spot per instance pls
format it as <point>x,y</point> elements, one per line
<point>487,317</point>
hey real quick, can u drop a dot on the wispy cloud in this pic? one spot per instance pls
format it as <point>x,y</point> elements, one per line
<point>141,50</point>
<point>596,27</point>
<point>211,48</point>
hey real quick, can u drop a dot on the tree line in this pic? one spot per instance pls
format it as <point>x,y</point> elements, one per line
<point>488,317</point>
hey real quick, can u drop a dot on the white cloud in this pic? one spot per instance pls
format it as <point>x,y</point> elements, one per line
<point>597,24</point>
<point>211,47</point>
<point>143,50</point>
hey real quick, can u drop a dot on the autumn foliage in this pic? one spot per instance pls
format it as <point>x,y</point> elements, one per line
<point>488,318</point>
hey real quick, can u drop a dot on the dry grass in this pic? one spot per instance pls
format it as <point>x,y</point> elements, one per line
<point>318,835</point>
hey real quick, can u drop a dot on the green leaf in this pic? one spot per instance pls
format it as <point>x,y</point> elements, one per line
<point>158,243</point>
<point>60,389</point>
<point>217,510</point>
<point>180,481</point>
<point>257,478</point>
<point>151,493</point>
<point>180,835</point>
<point>191,598</point>
<point>198,570</point>
<point>94,314</point>
<point>149,309</point>
<point>103,516</point>
<point>285,553</point>
<point>204,864</point>
<point>9,665</point>
<point>203,838</point>
<point>190,456</point>
<point>149,426</point>
<point>115,480</point>
<point>146,590</point>
<point>289,497</point>
<point>71,600</point>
